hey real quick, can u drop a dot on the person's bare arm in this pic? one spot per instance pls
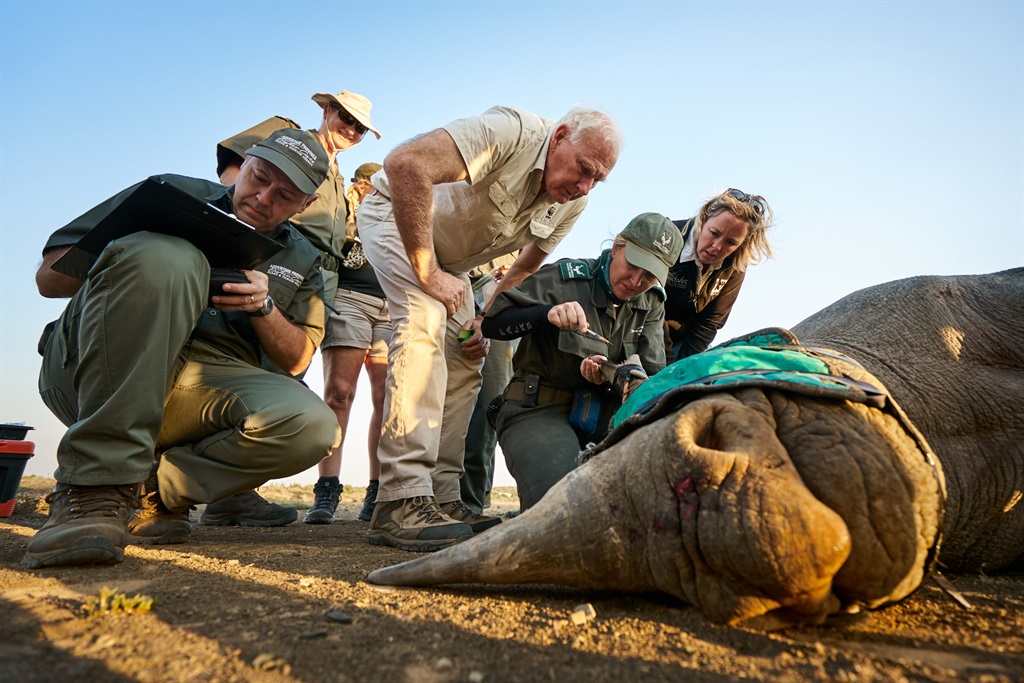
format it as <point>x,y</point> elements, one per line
<point>413,169</point>
<point>54,285</point>
<point>526,264</point>
<point>285,343</point>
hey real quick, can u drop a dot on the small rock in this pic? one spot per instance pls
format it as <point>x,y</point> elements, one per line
<point>307,582</point>
<point>581,614</point>
<point>443,664</point>
<point>233,562</point>
<point>475,677</point>
<point>320,633</point>
<point>268,662</point>
<point>559,624</point>
<point>335,614</point>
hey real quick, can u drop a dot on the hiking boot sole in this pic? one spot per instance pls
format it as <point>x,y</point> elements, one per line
<point>318,517</point>
<point>232,519</point>
<point>173,536</point>
<point>85,550</point>
<point>365,516</point>
<point>379,537</point>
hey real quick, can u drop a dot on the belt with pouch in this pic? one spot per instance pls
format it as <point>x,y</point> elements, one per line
<point>517,391</point>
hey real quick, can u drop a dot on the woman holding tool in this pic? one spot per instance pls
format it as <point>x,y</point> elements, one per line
<point>575,316</point>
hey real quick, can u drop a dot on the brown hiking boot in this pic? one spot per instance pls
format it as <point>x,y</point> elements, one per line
<point>153,522</point>
<point>415,524</point>
<point>86,525</point>
<point>460,512</point>
<point>247,508</point>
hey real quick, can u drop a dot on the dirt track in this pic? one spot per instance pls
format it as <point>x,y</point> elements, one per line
<point>251,604</point>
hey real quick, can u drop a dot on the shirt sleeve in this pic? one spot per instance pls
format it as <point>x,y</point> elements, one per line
<point>76,229</point>
<point>306,309</point>
<point>700,330</point>
<point>486,142</point>
<point>652,341</point>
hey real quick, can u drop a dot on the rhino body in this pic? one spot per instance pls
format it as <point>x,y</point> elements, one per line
<point>765,507</point>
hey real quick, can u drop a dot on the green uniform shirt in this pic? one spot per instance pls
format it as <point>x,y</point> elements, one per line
<point>293,273</point>
<point>634,326</point>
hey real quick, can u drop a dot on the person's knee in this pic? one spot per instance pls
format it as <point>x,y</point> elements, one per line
<point>339,395</point>
<point>317,433</point>
<point>158,263</point>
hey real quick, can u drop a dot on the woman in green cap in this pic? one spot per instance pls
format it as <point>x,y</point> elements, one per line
<point>574,316</point>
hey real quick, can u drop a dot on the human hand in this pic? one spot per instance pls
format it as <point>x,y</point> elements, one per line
<point>477,345</point>
<point>446,288</point>
<point>247,297</point>
<point>569,316</point>
<point>590,368</point>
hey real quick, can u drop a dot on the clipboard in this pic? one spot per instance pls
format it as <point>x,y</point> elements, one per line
<point>156,206</point>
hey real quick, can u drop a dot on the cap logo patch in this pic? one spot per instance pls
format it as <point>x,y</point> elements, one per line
<point>298,147</point>
<point>663,242</point>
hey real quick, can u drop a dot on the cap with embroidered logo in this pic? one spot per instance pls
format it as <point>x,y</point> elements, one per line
<point>653,243</point>
<point>297,154</point>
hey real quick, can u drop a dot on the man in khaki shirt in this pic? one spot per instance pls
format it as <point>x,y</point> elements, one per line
<point>445,202</point>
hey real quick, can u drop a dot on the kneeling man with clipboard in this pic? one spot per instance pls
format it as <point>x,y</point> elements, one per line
<point>159,375</point>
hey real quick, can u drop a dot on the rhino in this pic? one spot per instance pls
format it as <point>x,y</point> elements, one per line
<point>765,507</point>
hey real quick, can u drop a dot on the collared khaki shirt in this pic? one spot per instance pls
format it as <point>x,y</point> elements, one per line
<point>502,207</point>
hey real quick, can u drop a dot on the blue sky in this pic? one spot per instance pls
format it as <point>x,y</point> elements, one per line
<point>888,136</point>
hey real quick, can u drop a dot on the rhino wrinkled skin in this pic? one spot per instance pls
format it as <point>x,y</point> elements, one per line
<point>765,507</point>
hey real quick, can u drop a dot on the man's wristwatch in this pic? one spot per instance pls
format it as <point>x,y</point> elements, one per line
<point>268,307</point>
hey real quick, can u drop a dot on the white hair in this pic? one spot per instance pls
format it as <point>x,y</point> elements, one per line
<point>583,120</point>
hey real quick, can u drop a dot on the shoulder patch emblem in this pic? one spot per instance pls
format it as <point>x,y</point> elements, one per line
<point>574,270</point>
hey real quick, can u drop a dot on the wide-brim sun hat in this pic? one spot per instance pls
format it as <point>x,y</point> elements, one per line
<point>355,104</point>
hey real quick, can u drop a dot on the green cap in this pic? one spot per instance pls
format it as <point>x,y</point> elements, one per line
<point>297,154</point>
<point>653,243</point>
<point>365,171</point>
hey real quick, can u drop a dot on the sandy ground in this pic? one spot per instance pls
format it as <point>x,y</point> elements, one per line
<point>291,604</point>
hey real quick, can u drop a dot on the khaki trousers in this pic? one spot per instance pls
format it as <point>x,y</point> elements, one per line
<point>431,385</point>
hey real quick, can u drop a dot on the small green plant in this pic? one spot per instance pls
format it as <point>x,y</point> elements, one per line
<point>112,602</point>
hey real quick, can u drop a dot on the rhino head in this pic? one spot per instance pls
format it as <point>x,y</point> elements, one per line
<point>741,504</point>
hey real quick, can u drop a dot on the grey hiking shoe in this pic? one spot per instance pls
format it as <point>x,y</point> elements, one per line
<point>415,524</point>
<point>460,512</point>
<point>369,501</point>
<point>247,508</point>
<point>86,525</point>
<point>153,522</point>
<point>326,492</point>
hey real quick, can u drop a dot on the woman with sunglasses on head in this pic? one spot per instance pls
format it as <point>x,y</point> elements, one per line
<point>349,288</point>
<point>728,234</point>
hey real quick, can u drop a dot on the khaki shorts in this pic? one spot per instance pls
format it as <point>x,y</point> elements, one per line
<point>361,322</point>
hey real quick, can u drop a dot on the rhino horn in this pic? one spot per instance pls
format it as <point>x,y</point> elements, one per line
<point>703,505</point>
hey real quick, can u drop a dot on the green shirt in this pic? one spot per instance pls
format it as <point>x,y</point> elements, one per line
<point>634,326</point>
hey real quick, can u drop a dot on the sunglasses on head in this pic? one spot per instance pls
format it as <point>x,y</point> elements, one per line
<point>756,203</point>
<point>348,119</point>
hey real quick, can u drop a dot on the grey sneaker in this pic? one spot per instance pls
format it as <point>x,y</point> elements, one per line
<point>415,524</point>
<point>369,501</point>
<point>247,508</point>
<point>153,522</point>
<point>460,512</point>
<point>86,525</point>
<point>326,492</point>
